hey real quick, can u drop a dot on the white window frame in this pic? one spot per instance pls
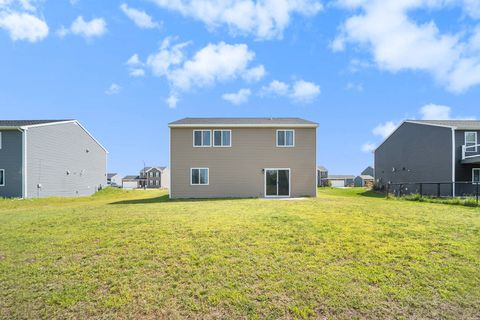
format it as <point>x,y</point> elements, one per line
<point>471,148</point>
<point>265,182</point>
<point>4,178</point>
<point>285,146</point>
<point>0,140</point>
<point>199,184</point>
<point>202,145</point>
<point>473,175</point>
<point>221,146</point>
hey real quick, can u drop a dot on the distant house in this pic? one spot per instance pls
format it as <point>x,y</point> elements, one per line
<point>369,171</point>
<point>149,178</point>
<point>154,178</point>
<point>130,182</point>
<point>366,181</point>
<point>322,175</point>
<point>341,181</point>
<point>43,158</point>
<point>434,151</point>
<point>114,179</point>
<point>242,157</point>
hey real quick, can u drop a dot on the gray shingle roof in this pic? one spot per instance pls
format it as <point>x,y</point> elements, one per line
<point>243,121</point>
<point>366,177</point>
<point>340,177</point>
<point>322,168</point>
<point>22,123</point>
<point>131,178</point>
<point>458,124</point>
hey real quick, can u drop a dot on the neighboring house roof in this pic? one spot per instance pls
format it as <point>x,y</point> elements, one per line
<point>243,122</point>
<point>340,177</point>
<point>366,177</point>
<point>24,123</point>
<point>130,178</point>
<point>322,168</point>
<point>457,124</point>
<point>111,175</point>
<point>146,169</point>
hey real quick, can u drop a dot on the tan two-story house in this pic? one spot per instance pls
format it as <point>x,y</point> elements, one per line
<point>242,157</point>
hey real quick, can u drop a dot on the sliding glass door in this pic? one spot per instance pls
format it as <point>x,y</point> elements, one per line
<point>277,182</point>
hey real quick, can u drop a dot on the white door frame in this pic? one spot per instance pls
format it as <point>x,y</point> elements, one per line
<point>265,182</point>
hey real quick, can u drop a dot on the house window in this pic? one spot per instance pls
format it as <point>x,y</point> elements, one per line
<point>222,138</point>
<point>151,182</point>
<point>0,140</point>
<point>476,175</point>
<point>471,141</point>
<point>157,174</point>
<point>285,138</point>
<point>199,176</point>
<point>2,177</point>
<point>151,174</point>
<point>202,138</point>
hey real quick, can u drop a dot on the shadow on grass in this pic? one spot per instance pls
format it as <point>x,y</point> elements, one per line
<point>372,194</point>
<point>165,198</point>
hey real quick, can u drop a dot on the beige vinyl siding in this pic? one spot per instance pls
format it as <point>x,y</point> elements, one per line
<point>238,171</point>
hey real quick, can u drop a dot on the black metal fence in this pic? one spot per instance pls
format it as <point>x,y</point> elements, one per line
<point>435,189</point>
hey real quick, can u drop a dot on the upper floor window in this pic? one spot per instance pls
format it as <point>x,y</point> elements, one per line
<point>471,141</point>
<point>0,140</point>
<point>202,138</point>
<point>285,138</point>
<point>2,177</point>
<point>222,138</point>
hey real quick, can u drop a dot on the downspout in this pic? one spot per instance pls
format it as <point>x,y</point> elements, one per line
<point>453,163</point>
<point>24,162</point>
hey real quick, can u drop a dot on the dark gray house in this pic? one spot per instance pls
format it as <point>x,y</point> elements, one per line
<point>369,171</point>
<point>322,176</point>
<point>152,178</point>
<point>42,158</point>
<point>439,151</point>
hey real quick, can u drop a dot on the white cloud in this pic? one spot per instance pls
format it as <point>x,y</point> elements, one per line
<point>113,89</point>
<point>172,101</point>
<point>304,91</point>
<point>134,60</point>
<point>88,29</point>
<point>368,147</point>
<point>237,98</point>
<point>398,43</point>
<point>351,86</point>
<point>254,74</point>
<point>166,57</point>
<point>140,18</point>
<point>301,91</point>
<point>435,112</point>
<point>137,72</point>
<point>385,129</point>
<point>276,87</point>
<point>265,19</point>
<point>23,26</point>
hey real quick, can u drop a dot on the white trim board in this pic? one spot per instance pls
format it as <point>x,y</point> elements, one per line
<point>225,125</point>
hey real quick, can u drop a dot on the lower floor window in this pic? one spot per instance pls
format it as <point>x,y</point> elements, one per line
<point>2,177</point>
<point>199,176</point>
<point>476,175</point>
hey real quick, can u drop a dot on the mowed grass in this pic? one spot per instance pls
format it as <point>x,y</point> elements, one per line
<point>346,254</point>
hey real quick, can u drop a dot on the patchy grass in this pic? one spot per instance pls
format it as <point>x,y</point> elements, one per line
<point>136,254</point>
<point>468,202</point>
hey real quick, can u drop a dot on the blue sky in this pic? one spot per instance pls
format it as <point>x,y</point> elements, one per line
<point>126,69</point>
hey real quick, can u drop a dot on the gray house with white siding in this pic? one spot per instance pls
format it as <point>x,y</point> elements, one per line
<point>43,158</point>
<point>434,151</point>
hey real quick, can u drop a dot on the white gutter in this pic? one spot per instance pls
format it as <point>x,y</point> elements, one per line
<point>453,163</point>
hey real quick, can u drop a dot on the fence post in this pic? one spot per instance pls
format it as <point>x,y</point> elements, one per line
<point>400,190</point>
<point>438,190</point>
<point>477,191</point>
<point>386,190</point>
<point>421,190</point>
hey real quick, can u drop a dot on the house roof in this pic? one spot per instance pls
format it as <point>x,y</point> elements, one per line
<point>25,123</point>
<point>322,168</point>
<point>243,122</point>
<point>457,124</point>
<point>130,178</point>
<point>340,177</point>
<point>146,169</point>
<point>366,177</point>
<point>110,175</point>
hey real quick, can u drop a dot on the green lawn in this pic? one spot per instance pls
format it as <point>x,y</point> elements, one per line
<point>346,254</point>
